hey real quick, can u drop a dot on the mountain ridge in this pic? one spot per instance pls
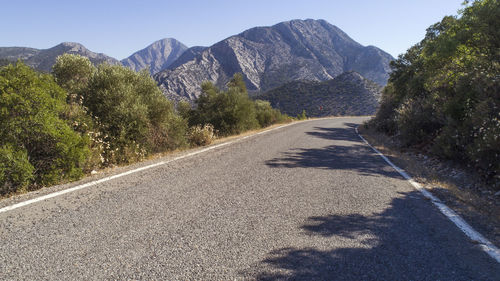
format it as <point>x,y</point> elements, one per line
<point>270,56</point>
<point>44,59</point>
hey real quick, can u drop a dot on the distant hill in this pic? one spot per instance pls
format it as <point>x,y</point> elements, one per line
<point>157,56</point>
<point>346,94</point>
<point>43,60</point>
<point>15,53</point>
<point>270,56</point>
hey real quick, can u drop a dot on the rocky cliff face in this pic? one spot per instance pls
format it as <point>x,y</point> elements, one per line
<point>271,56</point>
<point>43,60</point>
<point>347,94</point>
<point>157,56</point>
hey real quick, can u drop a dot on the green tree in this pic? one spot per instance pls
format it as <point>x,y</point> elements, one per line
<point>16,172</point>
<point>444,92</point>
<point>133,115</point>
<point>230,112</point>
<point>31,107</point>
<point>73,73</point>
<point>266,115</point>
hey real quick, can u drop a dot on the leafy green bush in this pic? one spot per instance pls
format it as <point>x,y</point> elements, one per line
<point>133,115</point>
<point>73,73</point>
<point>31,110</point>
<point>199,136</point>
<point>16,172</point>
<point>266,115</point>
<point>230,112</point>
<point>415,121</point>
<point>446,90</point>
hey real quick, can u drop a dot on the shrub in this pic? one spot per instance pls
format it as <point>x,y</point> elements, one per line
<point>72,73</point>
<point>385,120</point>
<point>31,110</point>
<point>230,112</point>
<point>266,115</point>
<point>445,90</point>
<point>201,135</point>
<point>134,116</point>
<point>16,172</point>
<point>415,121</point>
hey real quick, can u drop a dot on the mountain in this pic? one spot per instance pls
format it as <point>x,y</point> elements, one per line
<point>15,53</point>
<point>188,55</point>
<point>43,60</point>
<point>271,56</point>
<point>347,94</point>
<point>157,56</point>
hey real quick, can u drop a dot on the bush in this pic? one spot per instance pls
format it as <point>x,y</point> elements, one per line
<point>266,115</point>
<point>445,90</point>
<point>199,135</point>
<point>16,172</point>
<point>415,121</point>
<point>385,120</point>
<point>73,73</point>
<point>230,112</point>
<point>31,109</point>
<point>134,117</point>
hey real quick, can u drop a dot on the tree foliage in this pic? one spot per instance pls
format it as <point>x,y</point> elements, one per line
<point>230,112</point>
<point>34,136</point>
<point>55,127</point>
<point>133,115</point>
<point>444,92</point>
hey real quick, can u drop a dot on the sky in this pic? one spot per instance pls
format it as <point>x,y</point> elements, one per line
<point>120,28</point>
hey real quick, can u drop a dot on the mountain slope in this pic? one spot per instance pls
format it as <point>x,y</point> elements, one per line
<point>44,59</point>
<point>156,56</point>
<point>271,56</point>
<point>188,55</point>
<point>347,94</point>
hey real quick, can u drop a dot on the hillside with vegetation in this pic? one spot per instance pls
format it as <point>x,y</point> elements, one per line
<point>443,95</point>
<point>346,94</point>
<point>57,127</point>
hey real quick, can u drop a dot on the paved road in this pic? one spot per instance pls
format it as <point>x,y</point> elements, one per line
<point>309,201</point>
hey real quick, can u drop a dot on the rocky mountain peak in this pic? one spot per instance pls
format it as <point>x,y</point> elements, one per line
<point>271,56</point>
<point>157,56</point>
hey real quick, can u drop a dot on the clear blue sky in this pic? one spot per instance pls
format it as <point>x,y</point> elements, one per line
<point>119,28</point>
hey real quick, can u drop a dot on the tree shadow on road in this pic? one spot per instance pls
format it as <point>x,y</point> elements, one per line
<point>408,241</point>
<point>356,157</point>
<point>346,134</point>
<point>352,155</point>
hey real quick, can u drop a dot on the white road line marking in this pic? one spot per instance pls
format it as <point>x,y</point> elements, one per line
<point>475,236</point>
<point>89,184</point>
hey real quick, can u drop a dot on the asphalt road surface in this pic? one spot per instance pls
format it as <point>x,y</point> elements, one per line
<point>308,201</point>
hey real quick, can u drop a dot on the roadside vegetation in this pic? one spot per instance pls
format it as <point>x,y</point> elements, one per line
<point>443,94</point>
<point>56,127</point>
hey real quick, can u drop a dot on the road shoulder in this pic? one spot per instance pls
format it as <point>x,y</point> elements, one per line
<point>458,188</point>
